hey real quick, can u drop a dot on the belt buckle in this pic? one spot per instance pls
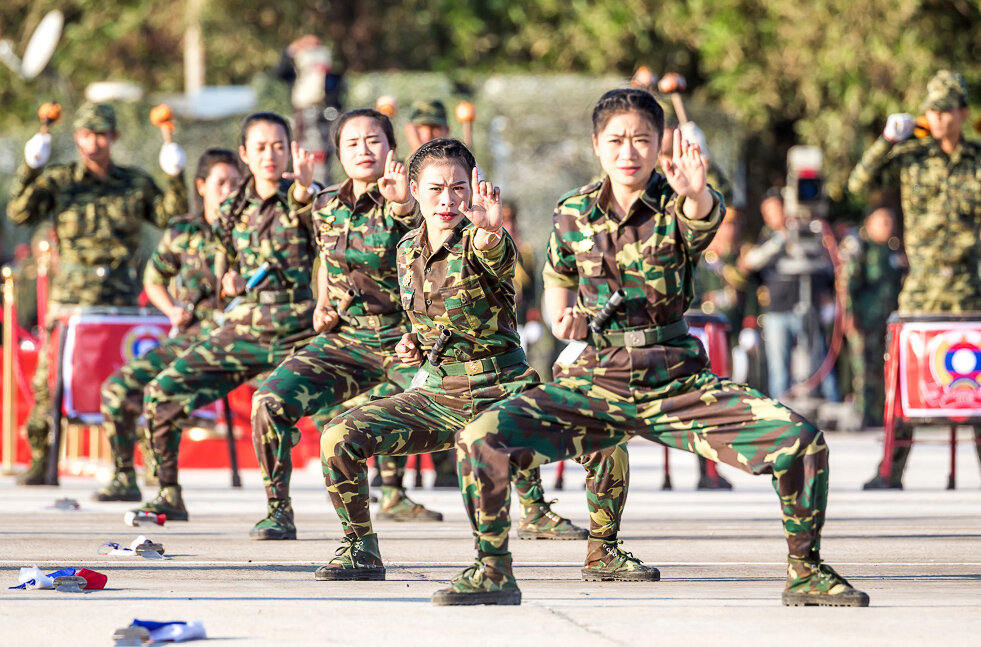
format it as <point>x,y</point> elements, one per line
<point>634,338</point>
<point>373,321</point>
<point>474,367</point>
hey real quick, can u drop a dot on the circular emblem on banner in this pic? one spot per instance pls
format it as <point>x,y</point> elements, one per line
<point>955,360</point>
<point>140,340</point>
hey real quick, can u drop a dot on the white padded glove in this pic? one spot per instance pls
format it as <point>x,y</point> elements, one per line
<point>749,339</point>
<point>694,134</point>
<point>37,150</point>
<point>172,158</point>
<point>899,126</point>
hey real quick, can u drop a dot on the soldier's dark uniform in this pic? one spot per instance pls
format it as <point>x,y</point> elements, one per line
<point>357,239</point>
<point>941,200</point>
<point>97,224</point>
<point>643,376</point>
<point>470,292</point>
<point>186,257</point>
<point>874,272</point>
<point>256,336</point>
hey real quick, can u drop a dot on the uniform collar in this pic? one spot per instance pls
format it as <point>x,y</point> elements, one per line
<point>652,197</point>
<point>81,172</point>
<point>346,195</point>
<point>282,192</point>
<point>421,241</point>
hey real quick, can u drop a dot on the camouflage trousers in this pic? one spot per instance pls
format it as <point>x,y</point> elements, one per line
<point>206,372</point>
<point>122,392</point>
<point>710,416</point>
<point>426,419</point>
<point>317,381</point>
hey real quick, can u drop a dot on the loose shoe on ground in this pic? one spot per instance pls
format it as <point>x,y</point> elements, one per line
<point>168,502</point>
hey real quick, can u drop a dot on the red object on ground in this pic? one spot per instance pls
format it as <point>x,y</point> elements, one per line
<point>93,580</point>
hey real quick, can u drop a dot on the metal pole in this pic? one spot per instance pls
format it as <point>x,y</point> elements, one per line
<point>9,392</point>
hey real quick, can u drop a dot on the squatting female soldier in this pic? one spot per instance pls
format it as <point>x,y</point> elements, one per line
<point>259,236</point>
<point>455,274</point>
<point>643,375</point>
<point>186,254</point>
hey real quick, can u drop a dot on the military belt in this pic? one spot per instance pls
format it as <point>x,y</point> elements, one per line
<point>277,297</point>
<point>497,363</point>
<point>639,338</point>
<point>375,322</point>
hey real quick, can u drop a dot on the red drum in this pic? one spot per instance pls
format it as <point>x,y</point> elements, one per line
<point>933,375</point>
<point>97,341</point>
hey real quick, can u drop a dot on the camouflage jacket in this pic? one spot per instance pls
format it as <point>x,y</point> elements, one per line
<point>186,255</point>
<point>460,287</point>
<point>357,242</point>
<point>250,231</point>
<point>651,254</point>
<point>874,272</point>
<point>941,199</point>
<point>97,224</point>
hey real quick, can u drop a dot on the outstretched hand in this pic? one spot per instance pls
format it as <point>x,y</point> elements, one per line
<point>394,184</point>
<point>485,211</point>
<point>685,170</point>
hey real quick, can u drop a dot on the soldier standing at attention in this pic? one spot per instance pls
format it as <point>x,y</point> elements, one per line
<point>186,256</point>
<point>643,374</point>
<point>359,315</point>
<point>455,278</point>
<point>940,191</point>
<point>874,268</point>
<point>97,208</point>
<point>256,228</point>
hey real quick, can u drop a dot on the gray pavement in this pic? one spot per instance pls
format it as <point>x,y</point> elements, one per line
<point>721,556</point>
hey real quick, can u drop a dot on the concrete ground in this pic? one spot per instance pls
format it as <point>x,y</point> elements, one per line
<point>721,555</point>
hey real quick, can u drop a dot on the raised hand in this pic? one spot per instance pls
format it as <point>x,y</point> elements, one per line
<point>485,211</point>
<point>303,166</point>
<point>685,170</point>
<point>394,184</point>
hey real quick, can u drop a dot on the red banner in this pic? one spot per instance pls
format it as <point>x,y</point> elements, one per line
<point>940,369</point>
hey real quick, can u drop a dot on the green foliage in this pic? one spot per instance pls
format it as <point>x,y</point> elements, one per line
<point>832,68</point>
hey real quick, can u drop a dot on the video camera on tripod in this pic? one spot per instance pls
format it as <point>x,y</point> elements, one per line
<point>805,204</point>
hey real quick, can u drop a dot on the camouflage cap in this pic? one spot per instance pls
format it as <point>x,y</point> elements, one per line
<point>945,91</point>
<point>429,113</point>
<point>99,117</point>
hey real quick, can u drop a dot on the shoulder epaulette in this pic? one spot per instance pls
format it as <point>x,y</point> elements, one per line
<point>583,190</point>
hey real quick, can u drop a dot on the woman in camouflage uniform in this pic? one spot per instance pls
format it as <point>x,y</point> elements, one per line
<point>643,374</point>
<point>186,255</point>
<point>256,228</point>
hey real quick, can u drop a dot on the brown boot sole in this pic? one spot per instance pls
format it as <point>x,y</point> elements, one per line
<point>266,534</point>
<point>434,517</point>
<point>105,496</point>
<point>549,534</point>
<point>450,598</point>
<point>594,575</point>
<point>372,574</point>
<point>853,599</point>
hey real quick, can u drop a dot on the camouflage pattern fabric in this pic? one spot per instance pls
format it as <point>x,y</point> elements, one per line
<point>184,262</point>
<point>97,225</point>
<point>941,200</point>
<point>185,257</point>
<point>273,321</point>
<point>874,272</point>
<point>720,288</point>
<point>470,291</point>
<point>357,242</point>
<point>663,392</point>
